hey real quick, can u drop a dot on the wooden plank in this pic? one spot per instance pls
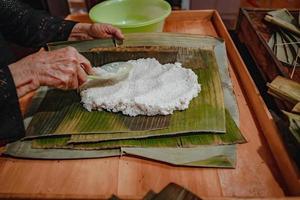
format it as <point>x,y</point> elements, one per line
<point>131,178</point>
<point>86,178</point>
<point>185,22</point>
<point>264,163</point>
<point>147,174</point>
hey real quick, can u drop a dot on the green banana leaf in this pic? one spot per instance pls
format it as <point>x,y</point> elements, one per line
<point>222,156</point>
<point>167,40</point>
<point>285,89</point>
<point>144,39</point>
<point>213,156</point>
<point>294,125</point>
<point>232,136</point>
<point>62,113</point>
<point>219,51</point>
<point>282,23</point>
<point>23,149</point>
<point>285,15</point>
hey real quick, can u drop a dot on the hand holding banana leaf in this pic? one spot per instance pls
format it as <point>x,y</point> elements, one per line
<point>64,68</point>
<point>87,31</point>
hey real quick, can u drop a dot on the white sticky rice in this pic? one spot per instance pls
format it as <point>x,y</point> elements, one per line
<point>150,89</point>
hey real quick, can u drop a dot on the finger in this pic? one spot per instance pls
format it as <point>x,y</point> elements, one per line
<point>106,31</point>
<point>73,81</point>
<point>75,74</point>
<point>85,64</point>
<point>116,33</point>
<point>62,82</point>
<point>21,91</point>
<point>72,52</point>
<point>111,31</point>
<point>69,75</point>
<point>58,77</point>
<point>68,82</point>
<point>81,75</point>
<point>50,81</point>
<point>24,89</point>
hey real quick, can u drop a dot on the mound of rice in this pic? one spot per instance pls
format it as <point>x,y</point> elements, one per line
<point>150,89</point>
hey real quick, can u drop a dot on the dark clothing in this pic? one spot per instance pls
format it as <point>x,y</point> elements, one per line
<point>24,26</point>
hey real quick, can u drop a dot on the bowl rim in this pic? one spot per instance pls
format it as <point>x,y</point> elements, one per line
<point>140,24</point>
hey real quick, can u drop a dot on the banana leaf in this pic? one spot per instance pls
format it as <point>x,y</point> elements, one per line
<point>212,156</point>
<point>189,140</point>
<point>219,51</point>
<point>294,125</point>
<point>285,40</point>
<point>81,46</point>
<point>285,15</point>
<point>217,45</point>
<point>285,89</point>
<point>171,191</point>
<point>207,42</point>
<point>232,136</point>
<point>290,51</point>
<point>62,113</point>
<point>167,40</point>
<point>23,149</point>
<point>281,50</point>
<point>296,108</point>
<point>145,39</point>
<point>222,156</point>
<point>271,43</point>
<point>285,46</point>
<point>283,19</point>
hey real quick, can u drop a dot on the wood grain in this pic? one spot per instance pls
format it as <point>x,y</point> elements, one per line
<point>256,174</point>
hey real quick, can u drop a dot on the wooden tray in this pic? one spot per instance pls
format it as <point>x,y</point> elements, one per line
<point>256,175</point>
<point>254,32</point>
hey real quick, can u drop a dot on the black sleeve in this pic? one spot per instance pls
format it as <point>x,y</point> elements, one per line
<point>25,26</point>
<point>11,121</point>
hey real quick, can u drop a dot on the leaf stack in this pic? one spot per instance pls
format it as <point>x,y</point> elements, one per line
<point>203,135</point>
<point>285,40</point>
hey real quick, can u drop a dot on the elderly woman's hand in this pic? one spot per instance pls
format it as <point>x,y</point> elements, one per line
<point>86,31</point>
<point>64,68</point>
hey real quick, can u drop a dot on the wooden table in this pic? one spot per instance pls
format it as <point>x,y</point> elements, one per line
<point>256,173</point>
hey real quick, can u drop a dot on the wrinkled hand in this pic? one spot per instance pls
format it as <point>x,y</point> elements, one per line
<point>64,68</point>
<point>86,31</point>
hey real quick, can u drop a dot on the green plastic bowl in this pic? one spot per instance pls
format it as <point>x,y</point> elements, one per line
<point>132,15</point>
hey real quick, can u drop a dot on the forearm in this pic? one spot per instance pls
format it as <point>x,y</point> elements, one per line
<point>28,27</point>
